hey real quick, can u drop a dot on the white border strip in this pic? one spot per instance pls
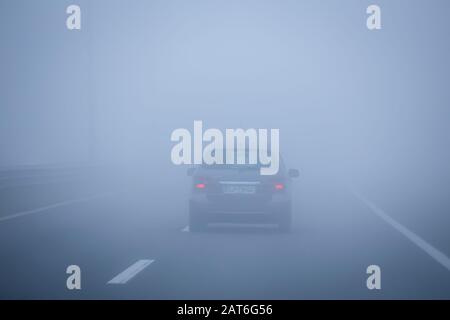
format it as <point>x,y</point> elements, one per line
<point>414,238</point>
<point>130,272</point>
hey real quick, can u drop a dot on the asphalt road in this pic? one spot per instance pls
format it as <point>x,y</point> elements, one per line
<point>50,220</point>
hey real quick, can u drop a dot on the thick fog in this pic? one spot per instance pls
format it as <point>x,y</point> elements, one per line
<point>365,110</point>
<point>343,97</point>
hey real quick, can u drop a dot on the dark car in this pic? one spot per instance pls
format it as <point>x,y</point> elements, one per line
<point>240,194</point>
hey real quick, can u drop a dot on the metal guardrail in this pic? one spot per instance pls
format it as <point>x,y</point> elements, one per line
<point>31,167</point>
<point>30,175</point>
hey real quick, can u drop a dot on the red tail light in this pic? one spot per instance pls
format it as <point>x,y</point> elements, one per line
<point>279,186</point>
<point>200,186</point>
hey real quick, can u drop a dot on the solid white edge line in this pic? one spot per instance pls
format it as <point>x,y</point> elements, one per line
<point>130,272</point>
<point>52,206</point>
<point>437,255</point>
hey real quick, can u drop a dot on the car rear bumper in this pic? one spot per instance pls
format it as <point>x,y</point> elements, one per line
<point>256,218</point>
<point>235,213</point>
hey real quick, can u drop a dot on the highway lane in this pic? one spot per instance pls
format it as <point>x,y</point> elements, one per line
<point>334,238</point>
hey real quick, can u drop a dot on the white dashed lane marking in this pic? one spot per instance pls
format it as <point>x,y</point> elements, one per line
<point>130,272</point>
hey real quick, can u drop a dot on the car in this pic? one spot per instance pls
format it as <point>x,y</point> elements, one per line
<point>238,193</point>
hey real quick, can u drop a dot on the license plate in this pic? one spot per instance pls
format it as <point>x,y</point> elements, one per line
<point>230,189</point>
